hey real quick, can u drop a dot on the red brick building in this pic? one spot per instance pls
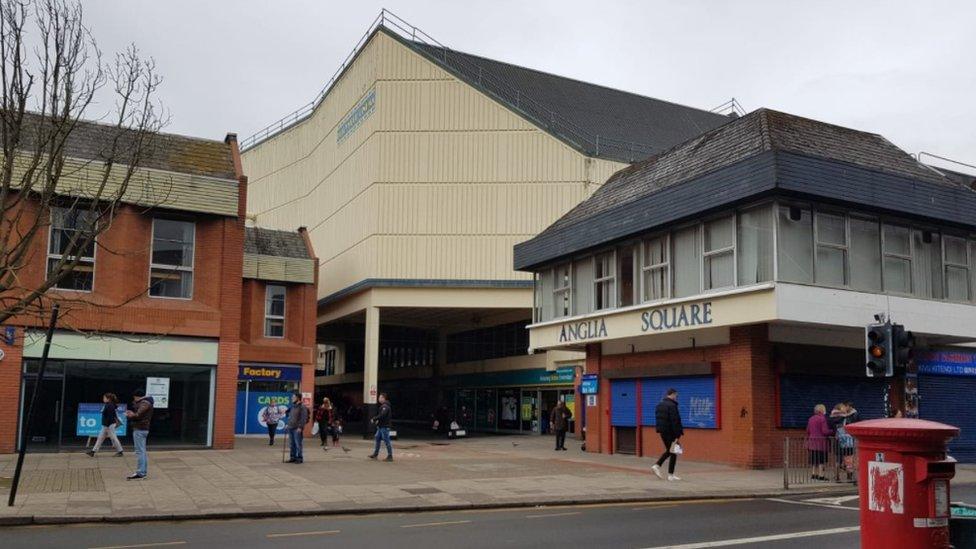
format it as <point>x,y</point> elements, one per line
<point>165,300</point>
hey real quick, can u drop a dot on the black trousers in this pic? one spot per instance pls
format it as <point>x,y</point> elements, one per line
<point>560,439</point>
<point>668,440</point>
<point>272,429</point>
<point>324,430</point>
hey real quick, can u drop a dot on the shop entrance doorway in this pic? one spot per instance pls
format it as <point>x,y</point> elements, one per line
<point>45,434</point>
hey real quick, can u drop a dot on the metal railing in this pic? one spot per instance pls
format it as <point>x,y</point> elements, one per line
<point>421,42</point>
<point>801,455</point>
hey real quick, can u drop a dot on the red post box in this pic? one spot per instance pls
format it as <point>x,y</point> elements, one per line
<point>903,475</point>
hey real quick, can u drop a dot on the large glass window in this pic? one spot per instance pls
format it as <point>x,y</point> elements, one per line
<point>686,258</point>
<point>897,259</point>
<point>927,264</point>
<point>274,311</point>
<point>865,251</point>
<point>719,253</point>
<point>69,230</point>
<point>957,275</point>
<point>171,272</point>
<point>583,286</point>
<point>603,281</point>
<point>832,248</point>
<point>625,270</point>
<point>536,299</point>
<point>562,292</point>
<point>795,244</point>
<point>754,245</point>
<point>655,269</point>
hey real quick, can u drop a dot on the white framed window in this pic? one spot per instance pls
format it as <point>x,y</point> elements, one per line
<point>274,311</point>
<point>958,279</point>
<point>656,268</point>
<point>537,297</point>
<point>68,224</point>
<point>626,281</point>
<point>896,245</point>
<point>603,281</point>
<point>562,291</point>
<point>171,265</point>
<point>833,248</point>
<point>718,253</point>
<point>686,262</point>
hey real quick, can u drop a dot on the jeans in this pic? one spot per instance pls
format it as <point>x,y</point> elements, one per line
<point>272,429</point>
<point>383,434</point>
<point>139,437</point>
<point>295,437</point>
<point>667,454</point>
<point>109,433</point>
<point>560,439</point>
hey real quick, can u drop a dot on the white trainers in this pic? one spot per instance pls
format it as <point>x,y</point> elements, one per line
<point>673,477</point>
<point>657,471</point>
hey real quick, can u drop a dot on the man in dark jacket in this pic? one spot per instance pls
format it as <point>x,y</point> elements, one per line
<point>140,416</point>
<point>382,420</point>
<point>668,424</point>
<point>559,421</point>
<point>298,416</point>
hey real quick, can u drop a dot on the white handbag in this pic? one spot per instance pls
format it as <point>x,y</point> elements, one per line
<point>676,448</point>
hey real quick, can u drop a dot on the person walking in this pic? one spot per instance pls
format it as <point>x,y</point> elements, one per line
<point>271,415</point>
<point>324,417</point>
<point>559,422</point>
<point>818,429</point>
<point>140,417</point>
<point>298,416</point>
<point>668,425</point>
<point>383,420</point>
<point>110,422</point>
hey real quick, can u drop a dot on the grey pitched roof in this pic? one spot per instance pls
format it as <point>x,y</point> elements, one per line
<point>767,150</point>
<point>597,120</point>
<point>276,243</point>
<point>163,151</point>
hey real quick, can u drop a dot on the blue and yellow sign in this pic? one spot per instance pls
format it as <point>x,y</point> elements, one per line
<point>89,422</point>
<point>269,372</point>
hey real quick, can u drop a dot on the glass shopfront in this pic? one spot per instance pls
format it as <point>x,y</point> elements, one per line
<point>260,385</point>
<point>183,414</point>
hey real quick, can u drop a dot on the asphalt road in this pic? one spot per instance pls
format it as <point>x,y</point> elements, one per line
<point>777,524</point>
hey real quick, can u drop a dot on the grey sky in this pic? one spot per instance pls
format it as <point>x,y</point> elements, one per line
<point>902,69</point>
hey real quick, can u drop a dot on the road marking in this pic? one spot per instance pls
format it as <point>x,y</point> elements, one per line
<point>761,539</point>
<point>160,544</point>
<point>654,508</point>
<point>554,515</point>
<point>296,534</point>
<point>426,524</point>
<point>822,505</point>
<point>833,501</point>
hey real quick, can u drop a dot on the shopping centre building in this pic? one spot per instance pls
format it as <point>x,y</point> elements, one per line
<point>175,298</point>
<point>741,267</point>
<point>416,171</point>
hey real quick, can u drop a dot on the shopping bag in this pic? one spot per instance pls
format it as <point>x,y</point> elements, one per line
<point>676,448</point>
<point>315,429</point>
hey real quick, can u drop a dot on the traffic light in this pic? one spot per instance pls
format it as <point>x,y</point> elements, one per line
<point>903,345</point>
<point>878,350</point>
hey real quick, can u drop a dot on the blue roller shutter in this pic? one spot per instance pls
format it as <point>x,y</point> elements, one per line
<point>798,394</point>
<point>697,401</point>
<point>947,399</point>
<point>623,403</point>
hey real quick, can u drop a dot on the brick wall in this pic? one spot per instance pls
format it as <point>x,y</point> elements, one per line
<point>748,434</point>
<point>10,368</point>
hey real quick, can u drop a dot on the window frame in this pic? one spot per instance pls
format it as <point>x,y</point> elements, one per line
<point>562,296</point>
<point>845,248</point>
<point>910,258</point>
<point>180,268</point>
<point>610,279</point>
<point>727,250</point>
<point>946,265</point>
<point>284,309</point>
<point>48,256</point>
<point>646,268</point>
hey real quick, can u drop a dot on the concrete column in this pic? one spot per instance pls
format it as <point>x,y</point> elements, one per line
<point>371,362</point>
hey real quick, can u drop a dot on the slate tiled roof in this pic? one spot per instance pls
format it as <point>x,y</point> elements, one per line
<point>275,243</point>
<point>164,151</point>
<point>630,126</point>
<point>760,131</point>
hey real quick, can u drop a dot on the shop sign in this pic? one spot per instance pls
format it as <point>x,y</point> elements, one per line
<point>678,316</point>
<point>158,389</point>
<point>356,116</point>
<point>89,422</point>
<point>250,410</point>
<point>589,384</point>
<point>947,363</point>
<point>581,331</point>
<point>269,373</point>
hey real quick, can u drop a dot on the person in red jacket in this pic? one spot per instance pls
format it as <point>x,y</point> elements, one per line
<point>817,443</point>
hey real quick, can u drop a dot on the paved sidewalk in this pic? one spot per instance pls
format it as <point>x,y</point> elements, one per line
<point>427,475</point>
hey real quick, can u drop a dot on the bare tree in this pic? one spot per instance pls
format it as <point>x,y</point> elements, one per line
<point>52,73</point>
